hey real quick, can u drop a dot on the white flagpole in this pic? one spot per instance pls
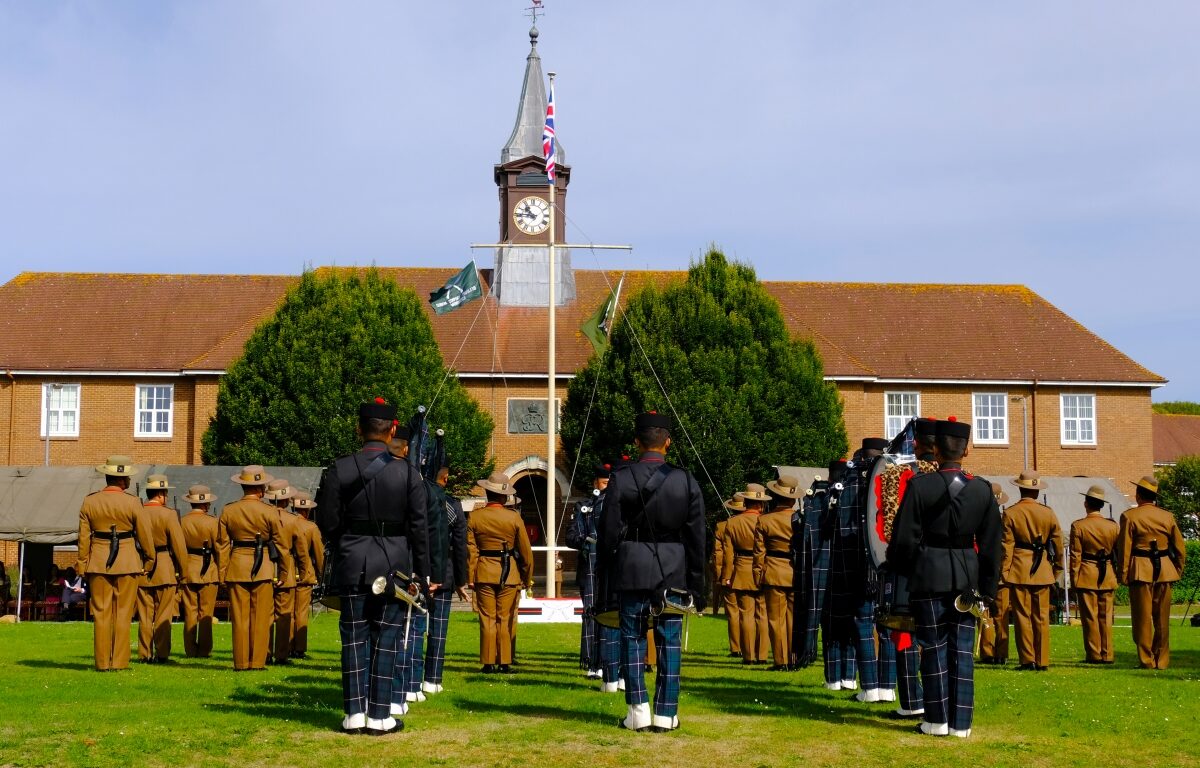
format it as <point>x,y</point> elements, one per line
<point>551,411</point>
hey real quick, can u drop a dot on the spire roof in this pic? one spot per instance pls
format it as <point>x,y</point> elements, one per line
<point>526,138</point>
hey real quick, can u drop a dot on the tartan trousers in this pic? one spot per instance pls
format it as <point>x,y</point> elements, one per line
<point>863,625</point>
<point>589,652</point>
<point>947,639</point>
<point>410,655</point>
<point>908,663</point>
<point>439,626</point>
<point>370,627</point>
<point>610,652</point>
<point>885,664</point>
<point>668,636</point>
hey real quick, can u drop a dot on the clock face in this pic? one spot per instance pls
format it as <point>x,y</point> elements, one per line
<point>532,215</point>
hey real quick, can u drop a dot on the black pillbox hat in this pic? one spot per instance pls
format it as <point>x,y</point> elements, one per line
<point>954,428</point>
<point>379,409</point>
<point>874,444</point>
<point>603,470</point>
<point>403,432</point>
<point>652,420</point>
<point>925,427</point>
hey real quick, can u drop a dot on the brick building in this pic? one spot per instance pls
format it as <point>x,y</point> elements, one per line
<point>130,363</point>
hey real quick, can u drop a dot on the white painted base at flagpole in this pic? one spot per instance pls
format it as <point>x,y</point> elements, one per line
<point>549,610</point>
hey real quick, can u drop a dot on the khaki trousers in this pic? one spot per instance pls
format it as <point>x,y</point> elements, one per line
<point>1150,605</point>
<point>155,608</point>
<point>1031,614</point>
<point>300,616</point>
<point>993,636</point>
<point>1096,615</point>
<point>735,620</point>
<point>285,606</point>
<point>251,610</point>
<point>755,637</point>
<point>111,599</point>
<point>199,601</point>
<point>496,606</point>
<point>779,602</point>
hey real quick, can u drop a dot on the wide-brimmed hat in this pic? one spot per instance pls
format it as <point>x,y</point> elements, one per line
<point>200,494</point>
<point>117,466</point>
<point>753,492</point>
<point>1148,483</point>
<point>1030,481</point>
<point>158,483</point>
<point>734,505</point>
<point>998,492</point>
<point>513,501</point>
<point>1095,492</point>
<point>497,482</point>
<point>786,486</point>
<point>253,474</point>
<point>303,500</point>
<point>278,490</point>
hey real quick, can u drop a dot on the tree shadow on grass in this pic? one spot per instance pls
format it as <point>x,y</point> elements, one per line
<point>317,705</point>
<point>524,710</point>
<point>52,664</point>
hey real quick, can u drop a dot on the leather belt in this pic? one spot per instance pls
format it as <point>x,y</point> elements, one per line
<point>1039,552</point>
<point>199,550</point>
<point>1155,555</point>
<point>781,553</point>
<point>384,528</point>
<point>163,548</point>
<point>114,539</point>
<point>743,552</point>
<point>1101,559</point>
<point>112,536</point>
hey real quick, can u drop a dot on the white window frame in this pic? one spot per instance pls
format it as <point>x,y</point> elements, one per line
<point>60,433</point>
<point>1063,418</point>
<point>138,411</point>
<point>888,432</point>
<point>991,420</point>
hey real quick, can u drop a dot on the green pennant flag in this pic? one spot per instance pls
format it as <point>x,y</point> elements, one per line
<point>599,326</point>
<point>462,288</point>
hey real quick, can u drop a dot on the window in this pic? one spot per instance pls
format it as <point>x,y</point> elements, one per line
<point>991,419</point>
<point>1078,419</point>
<point>899,408</point>
<point>152,417</point>
<point>60,409</point>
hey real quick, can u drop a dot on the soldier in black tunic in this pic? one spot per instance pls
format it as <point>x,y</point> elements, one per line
<point>371,512</point>
<point>944,516</point>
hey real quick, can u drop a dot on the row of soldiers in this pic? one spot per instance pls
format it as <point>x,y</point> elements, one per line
<point>144,556</point>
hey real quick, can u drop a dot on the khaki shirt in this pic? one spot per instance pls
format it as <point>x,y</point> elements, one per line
<point>170,551</point>
<point>243,520</point>
<point>718,558</point>
<point>1091,536</point>
<point>492,528</point>
<point>102,512</point>
<point>1139,526</point>
<point>774,534</point>
<point>310,541</point>
<point>200,530</point>
<point>738,567</point>
<point>296,563</point>
<point>1026,522</point>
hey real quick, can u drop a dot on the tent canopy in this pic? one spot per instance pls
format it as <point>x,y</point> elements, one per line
<point>40,505</point>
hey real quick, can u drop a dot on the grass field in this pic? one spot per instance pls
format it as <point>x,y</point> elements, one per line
<point>54,710</point>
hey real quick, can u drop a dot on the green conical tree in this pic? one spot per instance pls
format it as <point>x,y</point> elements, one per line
<point>741,388</point>
<point>340,338</point>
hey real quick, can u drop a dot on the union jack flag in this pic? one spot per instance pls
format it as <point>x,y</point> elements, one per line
<point>548,148</point>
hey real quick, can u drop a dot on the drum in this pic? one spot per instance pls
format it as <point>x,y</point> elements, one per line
<point>883,501</point>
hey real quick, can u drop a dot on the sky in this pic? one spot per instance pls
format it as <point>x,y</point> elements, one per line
<point>1049,144</point>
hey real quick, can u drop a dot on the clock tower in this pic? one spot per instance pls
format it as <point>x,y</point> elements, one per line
<point>522,274</point>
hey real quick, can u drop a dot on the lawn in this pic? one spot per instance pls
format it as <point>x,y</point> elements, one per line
<point>55,710</point>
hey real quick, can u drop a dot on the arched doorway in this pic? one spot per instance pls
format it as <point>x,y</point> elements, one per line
<point>528,477</point>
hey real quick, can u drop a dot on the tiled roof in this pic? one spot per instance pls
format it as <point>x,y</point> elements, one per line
<point>1175,436</point>
<point>123,322</point>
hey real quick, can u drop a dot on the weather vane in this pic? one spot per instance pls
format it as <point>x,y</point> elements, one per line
<point>536,10</point>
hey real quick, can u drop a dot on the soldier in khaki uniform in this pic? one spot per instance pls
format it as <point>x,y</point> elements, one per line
<point>773,563</point>
<point>740,575</point>
<point>158,591</point>
<point>1032,551</point>
<point>993,635</point>
<point>199,587</point>
<point>733,506</point>
<point>115,543</point>
<point>1094,576</point>
<point>496,537</point>
<point>310,542</point>
<point>293,562</point>
<point>1150,558</point>
<point>245,534</point>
